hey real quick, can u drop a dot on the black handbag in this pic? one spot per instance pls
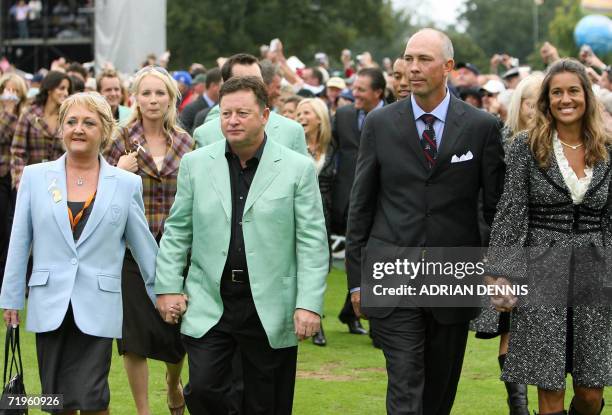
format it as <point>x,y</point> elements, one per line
<point>15,385</point>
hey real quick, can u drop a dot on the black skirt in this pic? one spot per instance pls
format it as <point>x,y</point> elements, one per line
<point>144,332</point>
<point>76,365</point>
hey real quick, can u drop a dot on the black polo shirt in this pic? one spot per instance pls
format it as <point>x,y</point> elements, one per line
<point>240,179</point>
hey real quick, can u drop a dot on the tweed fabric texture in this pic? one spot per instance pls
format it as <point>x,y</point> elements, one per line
<point>536,211</point>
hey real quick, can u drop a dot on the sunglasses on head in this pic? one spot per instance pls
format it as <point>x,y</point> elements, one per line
<point>153,68</point>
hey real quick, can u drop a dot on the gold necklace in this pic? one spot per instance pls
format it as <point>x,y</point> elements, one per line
<point>571,146</point>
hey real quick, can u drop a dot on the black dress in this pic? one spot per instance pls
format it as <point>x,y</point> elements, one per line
<point>72,363</point>
<point>144,333</point>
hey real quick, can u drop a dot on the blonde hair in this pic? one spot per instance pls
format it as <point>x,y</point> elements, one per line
<point>595,138</point>
<point>22,89</point>
<point>95,102</point>
<point>529,87</point>
<point>170,124</point>
<point>322,113</point>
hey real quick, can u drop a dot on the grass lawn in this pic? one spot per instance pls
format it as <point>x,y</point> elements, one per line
<point>345,377</point>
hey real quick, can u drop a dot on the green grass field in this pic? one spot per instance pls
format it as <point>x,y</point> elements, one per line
<point>345,377</point>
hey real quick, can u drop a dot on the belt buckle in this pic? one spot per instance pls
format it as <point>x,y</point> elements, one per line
<point>236,273</point>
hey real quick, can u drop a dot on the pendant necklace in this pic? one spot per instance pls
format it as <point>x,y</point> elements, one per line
<point>80,181</point>
<point>571,146</point>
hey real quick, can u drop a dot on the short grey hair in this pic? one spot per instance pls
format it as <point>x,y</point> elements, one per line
<point>268,71</point>
<point>448,52</point>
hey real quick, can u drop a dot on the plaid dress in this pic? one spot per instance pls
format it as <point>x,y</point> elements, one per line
<point>33,142</point>
<point>159,187</point>
<point>144,333</point>
<point>8,123</point>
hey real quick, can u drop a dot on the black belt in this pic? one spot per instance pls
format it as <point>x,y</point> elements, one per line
<point>239,276</point>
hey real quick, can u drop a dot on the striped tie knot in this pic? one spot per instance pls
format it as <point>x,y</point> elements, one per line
<point>429,120</point>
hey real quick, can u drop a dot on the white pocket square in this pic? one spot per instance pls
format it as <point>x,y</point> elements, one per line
<point>467,156</point>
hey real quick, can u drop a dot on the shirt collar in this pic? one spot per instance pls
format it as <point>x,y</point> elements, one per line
<point>257,156</point>
<point>439,112</point>
<point>209,101</point>
<point>379,105</point>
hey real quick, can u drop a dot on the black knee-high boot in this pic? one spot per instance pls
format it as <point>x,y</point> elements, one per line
<point>573,411</point>
<point>517,393</point>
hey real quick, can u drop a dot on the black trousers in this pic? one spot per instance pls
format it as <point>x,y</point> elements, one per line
<point>347,314</point>
<point>268,374</point>
<point>6,219</point>
<point>424,360</point>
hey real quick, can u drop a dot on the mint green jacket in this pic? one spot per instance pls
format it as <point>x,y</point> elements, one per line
<point>278,128</point>
<point>124,114</point>
<point>284,236</point>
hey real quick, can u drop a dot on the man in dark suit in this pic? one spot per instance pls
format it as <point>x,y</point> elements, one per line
<point>410,191</point>
<point>207,100</point>
<point>369,93</point>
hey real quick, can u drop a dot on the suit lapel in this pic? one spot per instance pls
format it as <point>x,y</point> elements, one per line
<point>451,134</point>
<point>220,177</point>
<point>56,182</point>
<point>355,125</point>
<point>267,170</point>
<point>107,183</point>
<point>145,160</point>
<point>406,128</point>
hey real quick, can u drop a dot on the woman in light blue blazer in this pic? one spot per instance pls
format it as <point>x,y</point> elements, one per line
<point>76,214</point>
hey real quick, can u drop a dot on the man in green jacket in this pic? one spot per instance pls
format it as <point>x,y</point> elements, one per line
<point>250,211</point>
<point>278,128</point>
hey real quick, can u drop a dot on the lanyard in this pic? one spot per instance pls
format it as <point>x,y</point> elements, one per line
<point>74,220</point>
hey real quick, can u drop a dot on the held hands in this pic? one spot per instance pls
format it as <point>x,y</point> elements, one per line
<point>501,303</point>
<point>306,323</point>
<point>171,307</point>
<point>129,162</point>
<point>11,318</point>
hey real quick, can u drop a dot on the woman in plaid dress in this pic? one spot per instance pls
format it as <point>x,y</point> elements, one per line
<point>37,137</point>
<point>151,145</point>
<point>13,91</point>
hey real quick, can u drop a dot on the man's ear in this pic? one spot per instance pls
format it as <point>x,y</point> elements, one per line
<point>449,65</point>
<point>265,114</point>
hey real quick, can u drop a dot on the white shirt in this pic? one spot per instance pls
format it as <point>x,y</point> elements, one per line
<point>577,187</point>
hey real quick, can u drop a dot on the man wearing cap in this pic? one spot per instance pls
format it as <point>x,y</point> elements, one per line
<point>466,75</point>
<point>183,80</point>
<point>512,77</point>
<point>278,128</point>
<point>333,89</point>
<point>490,92</point>
<point>207,87</point>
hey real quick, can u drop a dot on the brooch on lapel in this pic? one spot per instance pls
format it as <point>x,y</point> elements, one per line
<point>55,192</point>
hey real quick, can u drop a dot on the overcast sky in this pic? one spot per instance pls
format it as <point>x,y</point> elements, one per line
<point>442,12</point>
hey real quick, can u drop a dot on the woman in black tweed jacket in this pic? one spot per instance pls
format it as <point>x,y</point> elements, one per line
<point>556,197</point>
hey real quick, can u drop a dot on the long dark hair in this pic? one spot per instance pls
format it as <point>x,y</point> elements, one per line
<point>51,81</point>
<point>540,136</point>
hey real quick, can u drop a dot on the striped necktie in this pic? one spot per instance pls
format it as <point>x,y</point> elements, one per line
<point>428,140</point>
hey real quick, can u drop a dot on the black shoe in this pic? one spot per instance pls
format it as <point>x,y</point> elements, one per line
<point>355,327</point>
<point>319,338</point>
<point>517,394</point>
